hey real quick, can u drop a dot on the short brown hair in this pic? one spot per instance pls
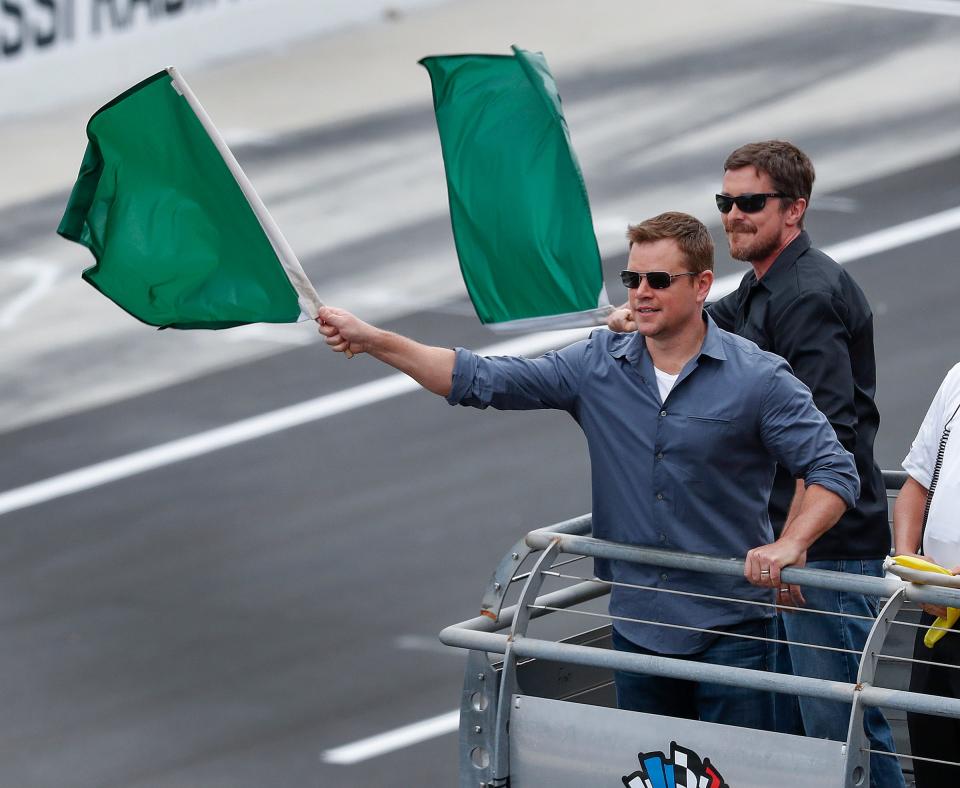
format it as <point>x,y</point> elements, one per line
<point>687,231</point>
<point>789,168</point>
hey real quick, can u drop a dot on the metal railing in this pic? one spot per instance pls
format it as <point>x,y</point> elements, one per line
<point>493,693</point>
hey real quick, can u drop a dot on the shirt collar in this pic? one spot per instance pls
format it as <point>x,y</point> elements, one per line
<point>713,341</point>
<point>633,348</point>
<point>784,262</point>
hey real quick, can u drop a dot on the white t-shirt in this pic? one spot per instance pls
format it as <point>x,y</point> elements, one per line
<point>665,382</point>
<point>941,539</point>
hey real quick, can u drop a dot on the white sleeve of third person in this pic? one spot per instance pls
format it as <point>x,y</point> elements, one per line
<point>922,456</point>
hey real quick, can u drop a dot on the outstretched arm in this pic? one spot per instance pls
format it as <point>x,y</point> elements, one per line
<point>431,367</point>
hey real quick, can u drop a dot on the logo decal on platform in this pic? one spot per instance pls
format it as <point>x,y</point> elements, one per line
<point>683,769</point>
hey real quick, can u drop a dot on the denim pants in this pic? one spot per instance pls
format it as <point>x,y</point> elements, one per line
<point>827,719</point>
<point>702,700</point>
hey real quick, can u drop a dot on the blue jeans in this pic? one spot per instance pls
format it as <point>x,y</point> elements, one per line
<point>827,719</point>
<point>786,707</point>
<point>702,700</point>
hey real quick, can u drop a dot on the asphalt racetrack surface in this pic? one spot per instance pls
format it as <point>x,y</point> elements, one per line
<point>224,620</point>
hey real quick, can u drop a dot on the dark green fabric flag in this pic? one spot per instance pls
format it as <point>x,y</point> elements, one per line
<point>519,208</point>
<point>176,241</point>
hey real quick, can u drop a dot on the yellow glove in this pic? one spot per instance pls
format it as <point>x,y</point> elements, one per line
<point>915,562</point>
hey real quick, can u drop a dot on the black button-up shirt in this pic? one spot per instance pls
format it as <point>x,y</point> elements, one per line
<point>810,311</point>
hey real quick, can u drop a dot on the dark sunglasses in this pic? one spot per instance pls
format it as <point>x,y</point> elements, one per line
<point>748,203</point>
<point>658,280</point>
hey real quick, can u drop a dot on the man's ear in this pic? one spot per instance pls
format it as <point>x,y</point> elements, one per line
<point>796,211</point>
<point>704,283</point>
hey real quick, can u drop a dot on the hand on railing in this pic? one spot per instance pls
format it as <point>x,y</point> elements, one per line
<point>763,564</point>
<point>945,617</point>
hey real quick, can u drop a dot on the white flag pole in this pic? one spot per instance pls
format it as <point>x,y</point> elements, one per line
<point>307,297</point>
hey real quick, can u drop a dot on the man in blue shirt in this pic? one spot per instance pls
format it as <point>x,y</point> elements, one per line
<point>685,424</point>
<point>798,303</point>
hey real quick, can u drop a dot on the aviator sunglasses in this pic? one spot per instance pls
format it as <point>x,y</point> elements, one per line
<point>748,203</point>
<point>658,280</point>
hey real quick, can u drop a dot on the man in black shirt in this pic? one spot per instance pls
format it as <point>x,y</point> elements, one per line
<point>802,305</point>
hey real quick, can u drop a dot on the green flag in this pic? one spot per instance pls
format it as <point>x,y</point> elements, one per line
<point>519,208</point>
<point>180,238</point>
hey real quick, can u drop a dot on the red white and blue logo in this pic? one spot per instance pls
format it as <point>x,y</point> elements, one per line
<point>683,769</point>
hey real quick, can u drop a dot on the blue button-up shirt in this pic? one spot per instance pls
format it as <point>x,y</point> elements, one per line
<point>690,473</point>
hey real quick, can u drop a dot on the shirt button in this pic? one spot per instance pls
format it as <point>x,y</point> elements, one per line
<point>659,455</point>
<point>663,537</point>
<point>659,496</point>
<point>663,413</point>
<point>664,577</point>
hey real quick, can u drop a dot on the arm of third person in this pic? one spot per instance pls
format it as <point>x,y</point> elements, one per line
<point>908,527</point>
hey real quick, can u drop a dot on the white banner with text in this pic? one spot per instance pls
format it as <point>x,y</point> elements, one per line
<point>53,52</point>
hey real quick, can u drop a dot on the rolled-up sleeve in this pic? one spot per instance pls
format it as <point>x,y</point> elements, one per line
<point>802,440</point>
<point>517,383</point>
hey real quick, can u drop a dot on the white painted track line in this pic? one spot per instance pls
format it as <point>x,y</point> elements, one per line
<point>937,7</point>
<point>42,276</point>
<point>396,739</point>
<point>894,237</point>
<point>394,385</point>
<point>251,428</point>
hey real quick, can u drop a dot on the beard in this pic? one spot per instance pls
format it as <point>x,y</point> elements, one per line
<point>751,248</point>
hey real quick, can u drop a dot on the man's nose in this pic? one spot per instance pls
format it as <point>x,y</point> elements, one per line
<point>643,289</point>
<point>734,213</point>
